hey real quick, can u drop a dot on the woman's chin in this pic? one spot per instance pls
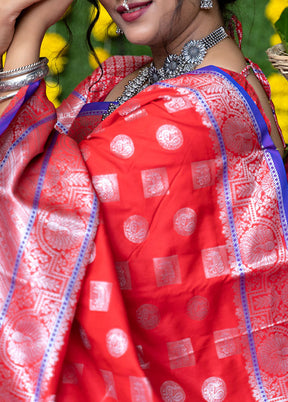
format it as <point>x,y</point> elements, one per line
<point>140,37</point>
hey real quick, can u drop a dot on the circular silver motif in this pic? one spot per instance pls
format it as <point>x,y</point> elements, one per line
<point>241,142</point>
<point>63,232</point>
<point>122,146</point>
<point>169,137</point>
<point>117,342</point>
<point>148,316</point>
<point>197,308</point>
<point>214,389</point>
<point>185,221</point>
<point>259,246</point>
<point>136,228</point>
<point>194,50</point>
<point>273,352</point>
<point>106,187</point>
<point>172,392</point>
<point>153,75</point>
<point>27,341</point>
<point>171,65</point>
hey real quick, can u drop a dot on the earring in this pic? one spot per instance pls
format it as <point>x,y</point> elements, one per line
<point>206,4</point>
<point>119,31</point>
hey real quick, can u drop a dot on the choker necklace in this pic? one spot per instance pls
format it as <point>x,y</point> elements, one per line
<point>191,56</point>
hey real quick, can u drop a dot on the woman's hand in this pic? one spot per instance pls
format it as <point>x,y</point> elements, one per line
<point>27,18</point>
<point>23,24</point>
<point>9,12</point>
<point>41,15</point>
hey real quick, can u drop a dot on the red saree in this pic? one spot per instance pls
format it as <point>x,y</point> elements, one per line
<point>184,298</point>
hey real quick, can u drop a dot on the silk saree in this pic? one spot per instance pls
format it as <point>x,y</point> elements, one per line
<point>143,257</point>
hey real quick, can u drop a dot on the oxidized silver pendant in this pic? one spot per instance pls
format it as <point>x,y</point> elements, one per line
<point>171,66</point>
<point>194,52</point>
<point>153,74</point>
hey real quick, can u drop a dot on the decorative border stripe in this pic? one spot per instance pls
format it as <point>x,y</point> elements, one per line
<point>61,127</point>
<point>95,107</point>
<point>272,156</point>
<point>66,299</point>
<point>229,207</point>
<point>29,226</point>
<point>79,96</point>
<point>228,201</point>
<point>24,135</point>
<point>6,119</point>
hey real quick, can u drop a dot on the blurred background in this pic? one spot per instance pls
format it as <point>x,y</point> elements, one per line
<point>75,61</point>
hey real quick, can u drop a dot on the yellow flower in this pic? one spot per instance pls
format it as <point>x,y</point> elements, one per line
<point>53,90</point>
<point>52,45</point>
<point>274,9</point>
<point>104,27</point>
<point>275,39</point>
<point>102,55</point>
<point>279,88</point>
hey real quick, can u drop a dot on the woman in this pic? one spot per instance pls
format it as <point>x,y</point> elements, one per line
<point>180,294</point>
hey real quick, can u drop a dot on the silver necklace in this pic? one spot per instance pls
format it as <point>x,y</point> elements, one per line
<point>174,65</point>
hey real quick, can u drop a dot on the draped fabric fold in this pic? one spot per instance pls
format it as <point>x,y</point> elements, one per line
<point>181,293</point>
<point>48,221</point>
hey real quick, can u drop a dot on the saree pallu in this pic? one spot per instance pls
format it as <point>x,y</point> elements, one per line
<point>48,219</point>
<point>185,296</point>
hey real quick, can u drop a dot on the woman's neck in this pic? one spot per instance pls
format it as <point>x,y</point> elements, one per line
<point>202,26</point>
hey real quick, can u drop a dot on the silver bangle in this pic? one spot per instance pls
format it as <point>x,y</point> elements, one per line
<point>43,61</point>
<point>8,96</point>
<point>23,80</point>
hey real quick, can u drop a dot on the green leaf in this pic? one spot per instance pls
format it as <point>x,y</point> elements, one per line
<point>281,27</point>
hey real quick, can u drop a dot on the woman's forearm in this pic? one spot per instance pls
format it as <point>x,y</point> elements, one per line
<point>28,32</point>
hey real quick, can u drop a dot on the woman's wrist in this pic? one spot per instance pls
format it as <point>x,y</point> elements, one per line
<point>25,46</point>
<point>22,53</point>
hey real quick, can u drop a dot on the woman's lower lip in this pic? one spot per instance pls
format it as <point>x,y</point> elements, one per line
<point>132,16</point>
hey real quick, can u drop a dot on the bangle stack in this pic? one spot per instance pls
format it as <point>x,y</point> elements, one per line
<point>12,80</point>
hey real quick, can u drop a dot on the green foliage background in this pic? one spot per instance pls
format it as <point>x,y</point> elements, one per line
<point>257,32</point>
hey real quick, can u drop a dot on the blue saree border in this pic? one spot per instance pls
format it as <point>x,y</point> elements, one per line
<point>94,108</point>
<point>272,156</point>
<point>6,119</point>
